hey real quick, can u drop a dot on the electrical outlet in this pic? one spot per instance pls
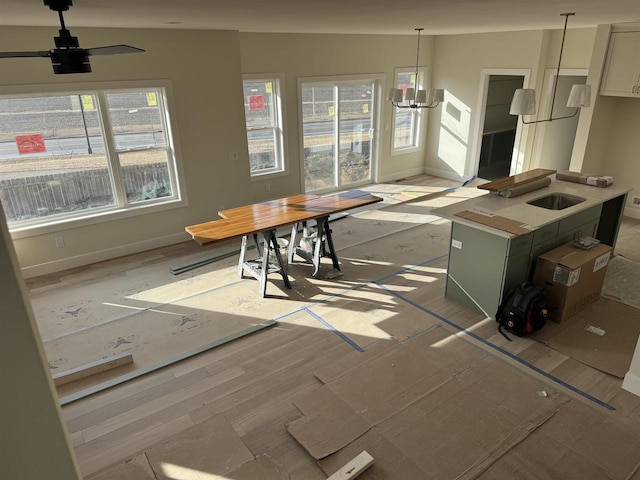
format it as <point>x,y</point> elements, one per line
<point>59,242</point>
<point>635,201</point>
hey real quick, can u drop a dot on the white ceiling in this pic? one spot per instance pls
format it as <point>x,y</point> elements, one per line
<point>327,16</point>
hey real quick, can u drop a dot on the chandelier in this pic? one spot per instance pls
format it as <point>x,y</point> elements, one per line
<point>412,97</point>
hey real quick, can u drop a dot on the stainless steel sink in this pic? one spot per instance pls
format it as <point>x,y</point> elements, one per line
<point>556,201</point>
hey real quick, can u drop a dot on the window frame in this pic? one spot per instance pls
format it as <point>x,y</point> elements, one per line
<point>418,114</point>
<point>378,106</point>
<point>121,209</point>
<point>279,129</point>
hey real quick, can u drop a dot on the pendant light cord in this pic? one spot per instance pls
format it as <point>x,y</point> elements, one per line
<point>415,82</point>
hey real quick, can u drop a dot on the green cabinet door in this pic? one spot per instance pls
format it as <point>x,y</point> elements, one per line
<point>481,264</point>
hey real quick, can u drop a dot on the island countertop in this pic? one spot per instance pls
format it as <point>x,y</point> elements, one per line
<point>530,216</point>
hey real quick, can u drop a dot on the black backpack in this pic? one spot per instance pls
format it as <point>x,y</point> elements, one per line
<point>523,310</point>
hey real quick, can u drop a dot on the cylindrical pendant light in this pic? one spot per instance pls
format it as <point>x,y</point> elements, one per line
<point>524,102</point>
<point>580,96</point>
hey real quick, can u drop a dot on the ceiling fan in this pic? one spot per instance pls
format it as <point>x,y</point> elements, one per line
<point>68,56</point>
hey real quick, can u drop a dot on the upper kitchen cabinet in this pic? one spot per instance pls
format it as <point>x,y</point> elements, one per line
<point>621,76</point>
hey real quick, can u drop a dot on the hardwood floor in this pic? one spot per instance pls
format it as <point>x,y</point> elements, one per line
<point>252,382</point>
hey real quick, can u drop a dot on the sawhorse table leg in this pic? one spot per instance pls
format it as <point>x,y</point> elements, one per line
<point>261,267</point>
<point>322,247</point>
<point>243,252</point>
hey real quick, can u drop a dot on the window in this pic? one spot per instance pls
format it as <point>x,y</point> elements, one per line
<point>71,155</point>
<point>263,114</point>
<point>407,121</point>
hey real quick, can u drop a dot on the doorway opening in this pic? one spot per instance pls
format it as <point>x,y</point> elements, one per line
<point>499,127</point>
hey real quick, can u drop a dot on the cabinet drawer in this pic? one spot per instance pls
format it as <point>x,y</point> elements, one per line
<point>588,229</point>
<point>543,247</point>
<point>521,244</point>
<point>578,219</point>
<point>546,233</point>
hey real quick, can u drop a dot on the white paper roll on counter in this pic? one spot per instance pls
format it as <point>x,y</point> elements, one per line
<point>526,188</point>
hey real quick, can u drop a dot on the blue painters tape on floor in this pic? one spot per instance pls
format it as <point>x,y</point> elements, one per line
<point>503,351</point>
<point>362,285</point>
<point>466,182</point>
<point>307,308</point>
<point>297,310</point>
<point>334,330</point>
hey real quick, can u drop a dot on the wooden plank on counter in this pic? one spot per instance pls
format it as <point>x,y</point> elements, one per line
<point>495,221</point>
<point>516,180</point>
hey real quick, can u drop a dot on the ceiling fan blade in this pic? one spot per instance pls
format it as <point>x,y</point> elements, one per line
<point>113,50</point>
<point>41,53</point>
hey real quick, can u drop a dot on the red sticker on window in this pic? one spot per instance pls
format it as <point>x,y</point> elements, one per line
<point>256,102</point>
<point>30,144</point>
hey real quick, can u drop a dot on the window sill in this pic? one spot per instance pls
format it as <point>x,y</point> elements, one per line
<point>256,177</point>
<point>405,151</point>
<point>57,225</point>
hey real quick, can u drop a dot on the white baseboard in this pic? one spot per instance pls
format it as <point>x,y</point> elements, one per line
<point>633,212</point>
<point>449,175</point>
<point>400,175</point>
<point>102,255</point>
<point>631,383</point>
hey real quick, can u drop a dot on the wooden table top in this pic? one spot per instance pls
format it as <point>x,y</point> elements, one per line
<point>260,217</point>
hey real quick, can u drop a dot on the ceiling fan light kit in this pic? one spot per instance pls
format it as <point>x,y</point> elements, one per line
<point>68,56</point>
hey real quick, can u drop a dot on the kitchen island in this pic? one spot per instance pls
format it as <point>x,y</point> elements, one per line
<point>486,262</point>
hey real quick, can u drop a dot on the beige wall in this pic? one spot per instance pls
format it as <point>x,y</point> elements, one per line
<point>459,60</point>
<point>204,70</point>
<point>300,56</point>
<point>33,440</point>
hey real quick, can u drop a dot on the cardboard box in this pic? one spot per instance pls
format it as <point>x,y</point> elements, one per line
<point>572,277</point>
<point>585,178</point>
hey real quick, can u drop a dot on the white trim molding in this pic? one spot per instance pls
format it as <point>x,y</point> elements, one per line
<point>102,255</point>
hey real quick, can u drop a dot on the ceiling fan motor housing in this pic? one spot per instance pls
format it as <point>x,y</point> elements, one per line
<point>68,57</point>
<point>58,5</point>
<point>70,61</point>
